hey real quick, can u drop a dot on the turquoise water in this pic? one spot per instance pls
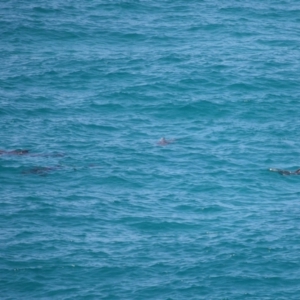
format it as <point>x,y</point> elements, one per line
<point>98,209</point>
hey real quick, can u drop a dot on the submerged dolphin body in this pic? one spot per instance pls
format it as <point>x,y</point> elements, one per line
<point>26,152</point>
<point>285,172</point>
<point>164,142</point>
<point>14,152</point>
<point>41,170</point>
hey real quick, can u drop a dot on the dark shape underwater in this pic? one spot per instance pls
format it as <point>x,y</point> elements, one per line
<point>285,172</point>
<point>20,152</point>
<point>14,152</point>
<point>164,142</point>
<point>41,170</point>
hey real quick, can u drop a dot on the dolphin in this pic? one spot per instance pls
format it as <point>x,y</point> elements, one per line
<point>26,152</point>
<point>14,152</point>
<point>285,172</point>
<point>41,170</point>
<point>164,142</point>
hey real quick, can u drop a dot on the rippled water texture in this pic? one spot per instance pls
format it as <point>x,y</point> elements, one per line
<point>98,208</point>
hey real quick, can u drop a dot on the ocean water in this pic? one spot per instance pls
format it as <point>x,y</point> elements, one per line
<point>98,209</point>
